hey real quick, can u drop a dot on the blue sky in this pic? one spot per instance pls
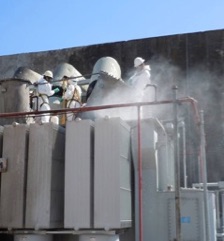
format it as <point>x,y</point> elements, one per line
<point>40,25</point>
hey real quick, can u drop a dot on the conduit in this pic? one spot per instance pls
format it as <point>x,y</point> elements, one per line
<point>204,177</point>
<point>177,167</point>
<point>140,177</point>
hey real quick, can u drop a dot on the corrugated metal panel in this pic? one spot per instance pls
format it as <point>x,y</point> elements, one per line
<point>45,180</point>
<point>112,190</point>
<point>190,219</point>
<point>193,227</point>
<point>13,183</point>
<point>78,174</point>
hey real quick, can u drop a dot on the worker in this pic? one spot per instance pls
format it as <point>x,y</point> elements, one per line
<point>44,90</point>
<point>72,96</point>
<point>139,82</point>
<point>141,77</point>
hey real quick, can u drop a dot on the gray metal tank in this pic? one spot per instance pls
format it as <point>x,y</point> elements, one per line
<point>14,97</point>
<point>65,69</point>
<point>27,74</point>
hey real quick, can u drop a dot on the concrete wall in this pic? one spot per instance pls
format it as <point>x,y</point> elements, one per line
<point>193,61</point>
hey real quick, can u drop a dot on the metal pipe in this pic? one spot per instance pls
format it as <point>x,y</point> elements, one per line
<point>177,167</point>
<point>200,175</point>
<point>211,184</point>
<point>155,88</point>
<point>82,82</point>
<point>37,101</point>
<point>182,125</point>
<point>194,106</point>
<point>16,79</point>
<point>217,210</point>
<point>184,156</point>
<point>163,181</point>
<point>140,177</point>
<point>216,189</point>
<point>222,211</point>
<point>204,172</point>
<point>91,108</point>
<point>58,231</point>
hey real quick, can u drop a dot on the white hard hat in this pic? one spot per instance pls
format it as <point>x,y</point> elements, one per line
<point>48,73</point>
<point>138,61</point>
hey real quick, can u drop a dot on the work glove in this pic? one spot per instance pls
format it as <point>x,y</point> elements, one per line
<point>56,90</point>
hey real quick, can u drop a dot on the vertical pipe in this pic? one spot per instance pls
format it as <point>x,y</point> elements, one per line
<point>187,84</point>
<point>140,176</point>
<point>222,211</point>
<point>184,156</point>
<point>200,179</point>
<point>217,205</point>
<point>177,167</point>
<point>181,125</point>
<point>184,153</point>
<point>204,176</point>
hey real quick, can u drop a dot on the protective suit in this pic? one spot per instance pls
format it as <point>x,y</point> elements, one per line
<point>140,79</point>
<point>72,96</point>
<point>44,90</point>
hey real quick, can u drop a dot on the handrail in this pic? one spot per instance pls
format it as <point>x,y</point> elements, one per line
<point>192,101</point>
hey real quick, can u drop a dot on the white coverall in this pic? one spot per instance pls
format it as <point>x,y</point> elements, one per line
<point>71,101</point>
<point>44,91</point>
<point>140,79</point>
